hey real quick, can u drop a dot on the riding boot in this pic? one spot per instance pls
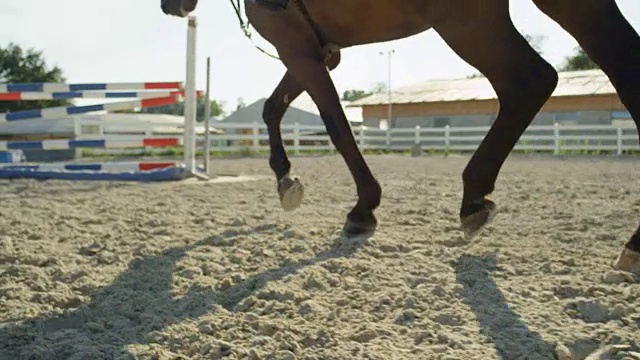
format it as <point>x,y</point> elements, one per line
<point>274,5</point>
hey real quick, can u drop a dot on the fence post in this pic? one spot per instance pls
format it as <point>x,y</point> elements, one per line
<point>447,139</point>
<point>389,138</point>
<point>619,140</point>
<point>556,138</point>
<point>296,139</point>
<point>256,132</point>
<point>417,134</point>
<point>361,138</point>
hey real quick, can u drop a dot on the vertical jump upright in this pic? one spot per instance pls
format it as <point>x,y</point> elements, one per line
<point>190,104</point>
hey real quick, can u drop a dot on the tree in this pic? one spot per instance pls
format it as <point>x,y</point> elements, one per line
<point>354,94</point>
<point>240,103</point>
<point>578,61</point>
<point>534,40</point>
<point>178,109</point>
<point>379,87</point>
<point>27,66</point>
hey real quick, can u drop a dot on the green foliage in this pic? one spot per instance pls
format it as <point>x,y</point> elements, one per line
<point>535,41</point>
<point>26,66</point>
<point>476,75</point>
<point>178,109</point>
<point>579,61</point>
<point>379,87</point>
<point>354,94</point>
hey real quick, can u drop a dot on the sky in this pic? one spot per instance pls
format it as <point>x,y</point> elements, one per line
<point>133,41</point>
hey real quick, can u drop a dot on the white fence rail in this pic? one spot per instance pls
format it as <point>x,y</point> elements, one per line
<point>552,138</point>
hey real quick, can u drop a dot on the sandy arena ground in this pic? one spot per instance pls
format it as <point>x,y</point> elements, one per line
<point>209,271</point>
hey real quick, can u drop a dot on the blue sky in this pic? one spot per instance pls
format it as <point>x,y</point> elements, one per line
<point>132,40</point>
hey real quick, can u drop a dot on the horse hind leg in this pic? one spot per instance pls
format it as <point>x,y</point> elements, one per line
<point>610,41</point>
<point>523,81</point>
<point>629,258</point>
<point>290,191</point>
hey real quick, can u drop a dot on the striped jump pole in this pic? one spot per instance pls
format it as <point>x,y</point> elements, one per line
<point>29,95</point>
<point>61,87</point>
<point>148,94</point>
<point>58,112</point>
<point>101,167</point>
<point>95,144</point>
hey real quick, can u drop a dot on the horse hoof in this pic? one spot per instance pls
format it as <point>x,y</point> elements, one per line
<point>291,193</point>
<point>628,261</point>
<point>353,229</point>
<point>472,224</point>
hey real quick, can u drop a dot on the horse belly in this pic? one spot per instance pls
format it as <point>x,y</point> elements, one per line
<point>357,22</point>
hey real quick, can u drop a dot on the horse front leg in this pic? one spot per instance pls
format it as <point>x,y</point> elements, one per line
<point>311,71</point>
<point>290,190</point>
<point>307,61</point>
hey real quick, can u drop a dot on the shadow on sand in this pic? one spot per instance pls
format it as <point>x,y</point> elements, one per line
<point>138,302</point>
<point>498,322</point>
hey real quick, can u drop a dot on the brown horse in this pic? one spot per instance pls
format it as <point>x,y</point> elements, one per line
<point>308,35</point>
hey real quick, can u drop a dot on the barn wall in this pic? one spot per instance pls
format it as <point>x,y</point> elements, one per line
<point>569,109</point>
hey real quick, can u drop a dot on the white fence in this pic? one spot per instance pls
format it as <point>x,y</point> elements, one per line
<point>553,138</point>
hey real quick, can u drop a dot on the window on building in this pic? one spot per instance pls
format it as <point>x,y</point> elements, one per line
<point>566,116</point>
<point>620,115</point>
<point>622,119</point>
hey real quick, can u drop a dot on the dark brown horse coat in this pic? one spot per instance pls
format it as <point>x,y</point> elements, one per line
<point>308,35</point>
